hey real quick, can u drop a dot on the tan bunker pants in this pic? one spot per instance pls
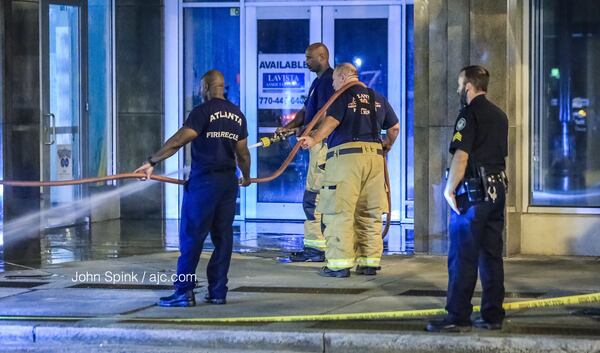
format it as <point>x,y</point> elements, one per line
<point>352,199</point>
<point>313,236</point>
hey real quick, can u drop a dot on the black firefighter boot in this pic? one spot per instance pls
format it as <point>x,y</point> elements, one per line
<point>308,255</point>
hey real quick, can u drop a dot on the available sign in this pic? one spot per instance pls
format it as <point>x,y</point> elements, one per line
<point>283,81</point>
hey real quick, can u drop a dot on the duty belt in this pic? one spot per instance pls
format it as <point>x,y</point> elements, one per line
<point>349,151</point>
<point>494,178</point>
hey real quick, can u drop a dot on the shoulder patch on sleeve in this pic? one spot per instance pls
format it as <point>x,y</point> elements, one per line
<point>460,124</point>
<point>457,137</point>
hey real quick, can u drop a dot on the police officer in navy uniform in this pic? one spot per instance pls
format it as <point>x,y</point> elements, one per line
<point>217,130</point>
<point>475,190</point>
<point>321,89</point>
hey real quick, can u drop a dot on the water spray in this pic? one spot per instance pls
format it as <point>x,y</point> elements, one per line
<point>28,225</point>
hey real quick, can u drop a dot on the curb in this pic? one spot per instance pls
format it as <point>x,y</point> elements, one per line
<point>429,343</point>
<point>17,333</point>
<point>327,342</point>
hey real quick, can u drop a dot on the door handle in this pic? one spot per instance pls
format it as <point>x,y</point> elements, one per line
<point>49,129</point>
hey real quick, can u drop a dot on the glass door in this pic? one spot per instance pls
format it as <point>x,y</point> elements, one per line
<point>367,36</point>
<point>277,85</point>
<point>209,35</point>
<point>63,103</point>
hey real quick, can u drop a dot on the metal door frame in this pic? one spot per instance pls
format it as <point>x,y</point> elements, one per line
<point>255,209</point>
<point>393,13</point>
<point>248,85</point>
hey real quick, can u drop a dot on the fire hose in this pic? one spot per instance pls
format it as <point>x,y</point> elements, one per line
<point>265,142</point>
<point>318,117</point>
<point>160,178</point>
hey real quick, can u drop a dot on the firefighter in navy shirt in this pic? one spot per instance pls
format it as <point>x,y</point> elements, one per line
<point>217,130</point>
<point>353,189</point>
<point>321,89</point>
<point>475,191</point>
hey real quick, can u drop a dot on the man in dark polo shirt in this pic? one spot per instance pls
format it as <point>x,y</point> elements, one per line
<point>217,130</point>
<point>321,89</point>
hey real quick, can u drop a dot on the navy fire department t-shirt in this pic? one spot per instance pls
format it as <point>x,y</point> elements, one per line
<point>220,125</point>
<point>354,104</point>
<point>319,93</point>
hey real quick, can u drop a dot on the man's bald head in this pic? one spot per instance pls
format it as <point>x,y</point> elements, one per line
<point>346,69</point>
<point>317,58</point>
<point>344,73</point>
<point>212,85</point>
<point>214,78</point>
<point>319,49</point>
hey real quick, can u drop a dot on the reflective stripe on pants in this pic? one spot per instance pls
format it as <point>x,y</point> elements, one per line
<point>338,264</point>
<point>368,261</point>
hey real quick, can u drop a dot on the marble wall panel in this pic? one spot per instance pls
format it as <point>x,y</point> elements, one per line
<point>139,136</point>
<point>139,53</point>
<point>140,96</point>
<point>21,149</point>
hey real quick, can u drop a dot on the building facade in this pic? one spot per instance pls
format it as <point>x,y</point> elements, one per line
<point>91,87</point>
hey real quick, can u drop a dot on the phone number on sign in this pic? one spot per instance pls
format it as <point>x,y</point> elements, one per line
<point>280,100</point>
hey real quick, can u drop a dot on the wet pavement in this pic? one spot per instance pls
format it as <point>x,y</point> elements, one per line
<point>102,286</point>
<point>122,238</point>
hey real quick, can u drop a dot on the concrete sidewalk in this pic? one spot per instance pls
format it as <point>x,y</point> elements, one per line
<point>259,286</point>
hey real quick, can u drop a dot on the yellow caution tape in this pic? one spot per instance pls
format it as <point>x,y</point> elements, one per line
<point>403,314</point>
<point>550,302</point>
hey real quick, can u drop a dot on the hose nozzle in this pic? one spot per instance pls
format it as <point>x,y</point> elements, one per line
<point>267,141</point>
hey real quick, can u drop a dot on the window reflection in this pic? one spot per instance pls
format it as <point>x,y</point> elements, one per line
<point>211,41</point>
<point>1,177</point>
<point>65,100</point>
<point>1,145</point>
<point>410,116</point>
<point>565,170</point>
<point>354,44</point>
<point>281,41</point>
<point>99,86</point>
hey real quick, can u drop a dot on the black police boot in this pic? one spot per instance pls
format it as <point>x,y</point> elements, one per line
<point>446,326</point>
<point>216,301</point>
<point>366,270</point>
<point>308,255</point>
<point>179,298</point>
<point>481,323</point>
<point>326,272</point>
